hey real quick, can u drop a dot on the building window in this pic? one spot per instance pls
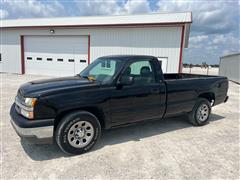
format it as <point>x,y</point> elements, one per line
<point>83,61</point>
<point>39,59</point>
<point>29,58</point>
<point>106,64</point>
<point>71,60</point>
<point>49,59</point>
<point>60,60</point>
<point>103,64</point>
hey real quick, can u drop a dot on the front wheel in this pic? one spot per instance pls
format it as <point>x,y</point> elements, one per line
<point>77,132</point>
<point>200,113</point>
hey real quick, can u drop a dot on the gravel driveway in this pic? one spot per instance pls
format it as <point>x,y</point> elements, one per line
<point>169,149</point>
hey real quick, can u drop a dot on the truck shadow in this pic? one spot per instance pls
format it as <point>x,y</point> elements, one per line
<point>41,152</point>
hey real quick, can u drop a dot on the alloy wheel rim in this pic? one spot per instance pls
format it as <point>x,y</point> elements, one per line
<point>202,113</point>
<point>80,134</point>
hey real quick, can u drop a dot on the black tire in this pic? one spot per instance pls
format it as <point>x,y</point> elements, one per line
<point>67,122</point>
<point>193,116</point>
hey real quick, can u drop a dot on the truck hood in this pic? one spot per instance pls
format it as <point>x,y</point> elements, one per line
<point>50,86</point>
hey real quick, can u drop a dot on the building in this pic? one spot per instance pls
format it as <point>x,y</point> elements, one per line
<point>65,46</point>
<point>229,67</point>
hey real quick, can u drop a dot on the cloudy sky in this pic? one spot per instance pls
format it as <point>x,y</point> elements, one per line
<point>214,32</point>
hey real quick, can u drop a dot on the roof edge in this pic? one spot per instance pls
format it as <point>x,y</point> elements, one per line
<point>229,55</point>
<point>100,25</point>
<point>138,14</point>
<point>88,21</point>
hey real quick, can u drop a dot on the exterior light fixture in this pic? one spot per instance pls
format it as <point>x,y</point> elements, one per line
<point>52,31</point>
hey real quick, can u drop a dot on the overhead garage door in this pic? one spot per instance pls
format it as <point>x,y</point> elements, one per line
<point>55,55</point>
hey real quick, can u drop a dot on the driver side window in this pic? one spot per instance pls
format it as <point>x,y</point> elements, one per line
<point>141,71</point>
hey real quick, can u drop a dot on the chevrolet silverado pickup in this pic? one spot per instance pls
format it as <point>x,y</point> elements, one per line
<point>111,92</point>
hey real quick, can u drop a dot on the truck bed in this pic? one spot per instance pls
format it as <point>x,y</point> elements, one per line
<point>184,89</point>
<point>175,76</point>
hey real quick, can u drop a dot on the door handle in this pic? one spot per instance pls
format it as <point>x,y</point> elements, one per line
<point>155,91</point>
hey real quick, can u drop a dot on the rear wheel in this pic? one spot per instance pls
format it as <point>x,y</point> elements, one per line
<point>200,113</point>
<point>78,132</point>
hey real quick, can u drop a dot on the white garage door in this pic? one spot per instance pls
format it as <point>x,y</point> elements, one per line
<point>55,55</point>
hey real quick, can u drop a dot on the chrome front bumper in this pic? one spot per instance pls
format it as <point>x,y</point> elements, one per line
<point>37,132</point>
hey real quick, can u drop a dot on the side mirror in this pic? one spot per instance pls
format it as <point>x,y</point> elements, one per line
<point>126,80</point>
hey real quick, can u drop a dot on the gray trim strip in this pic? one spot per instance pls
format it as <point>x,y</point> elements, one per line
<point>39,132</point>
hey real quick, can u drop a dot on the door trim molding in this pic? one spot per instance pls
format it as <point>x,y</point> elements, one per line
<point>181,50</point>
<point>22,54</point>
<point>89,49</point>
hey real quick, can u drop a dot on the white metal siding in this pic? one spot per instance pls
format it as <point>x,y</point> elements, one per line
<point>229,67</point>
<point>11,53</point>
<point>157,41</point>
<point>160,42</point>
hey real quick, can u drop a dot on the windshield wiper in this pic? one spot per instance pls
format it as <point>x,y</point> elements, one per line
<point>88,77</point>
<point>84,77</point>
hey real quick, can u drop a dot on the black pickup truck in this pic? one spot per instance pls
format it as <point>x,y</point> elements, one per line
<point>111,92</point>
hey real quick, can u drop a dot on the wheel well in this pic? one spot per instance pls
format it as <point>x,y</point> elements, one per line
<point>209,96</point>
<point>94,110</point>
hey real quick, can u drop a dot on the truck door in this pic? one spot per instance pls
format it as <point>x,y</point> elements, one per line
<point>144,99</point>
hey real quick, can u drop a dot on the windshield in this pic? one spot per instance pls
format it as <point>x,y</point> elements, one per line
<point>102,69</point>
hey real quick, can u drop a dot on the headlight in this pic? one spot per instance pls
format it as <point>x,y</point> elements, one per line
<point>27,114</point>
<point>30,102</point>
<point>26,107</point>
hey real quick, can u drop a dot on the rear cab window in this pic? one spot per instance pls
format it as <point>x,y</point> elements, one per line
<point>141,71</point>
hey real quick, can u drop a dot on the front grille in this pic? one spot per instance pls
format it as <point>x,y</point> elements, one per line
<point>20,96</point>
<point>17,109</point>
<point>18,102</point>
